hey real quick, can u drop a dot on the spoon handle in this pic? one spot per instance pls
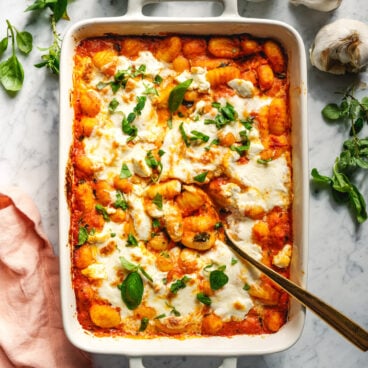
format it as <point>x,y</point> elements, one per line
<point>346,327</point>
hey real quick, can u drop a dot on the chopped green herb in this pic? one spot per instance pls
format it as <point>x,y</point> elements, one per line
<point>219,225</point>
<point>157,79</point>
<point>201,178</point>
<point>234,261</point>
<point>184,135</point>
<point>82,235</point>
<point>157,200</point>
<point>201,237</point>
<point>125,172</point>
<point>102,210</point>
<point>246,287</point>
<point>214,142</point>
<point>204,299</point>
<point>113,105</point>
<point>199,136</point>
<point>218,279</point>
<point>144,324</point>
<point>179,284</point>
<point>132,241</point>
<point>264,162</point>
<point>226,115</point>
<point>121,202</point>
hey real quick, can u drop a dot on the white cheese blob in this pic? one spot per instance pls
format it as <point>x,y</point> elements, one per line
<point>198,76</point>
<point>242,87</point>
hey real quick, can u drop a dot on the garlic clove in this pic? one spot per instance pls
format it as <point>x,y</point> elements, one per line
<point>341,47</point>
<point>321,5</point>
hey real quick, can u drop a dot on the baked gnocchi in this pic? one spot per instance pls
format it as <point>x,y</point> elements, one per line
<point>175,138</point>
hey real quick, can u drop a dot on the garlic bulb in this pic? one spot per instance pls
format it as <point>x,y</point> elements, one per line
<point>341,47</point>
<point>321,5</point>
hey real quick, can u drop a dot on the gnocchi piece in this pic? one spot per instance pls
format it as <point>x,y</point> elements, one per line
<point>124,185</point>
<point>106,61</point>
<point>191,199</point>
<point>168,189</point>
<point>87,125</point>
<point>278,117</point>
<point>181,63</point>
<point>224,47</point>
<point>174,223</point>
<point>85,256</point>
<point>164,262</point>
<point>90,103</point>
<point>194,47</point>
<point>143,311</point>
<point>159,242</point>
<point>169,49</point>
<point>119,216</point>
<point>210,64</point>
<point>265,293</point>
<point>250,46</point>
<point>84,197</point>
<point>265,77</point>
<point>275,56</point>
<point>103,192</point>
<point>132,46</point>
<point>223,75</point>
<point>84,164</point>
<point>211,324</point>
<point>273,319</point>
<point>104,316</point>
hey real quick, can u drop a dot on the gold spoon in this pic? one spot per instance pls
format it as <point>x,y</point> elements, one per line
<point>349,329</point>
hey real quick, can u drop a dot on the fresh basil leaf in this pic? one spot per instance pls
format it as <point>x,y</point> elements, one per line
<point>132,290</point>
<point>24,41</point>
<point>204,299</point>
<point>129,266</point>
<point>125,172</point>
<point>331,112</point>
<point>317,177</point>
<point>3,45</point>
<point>60,9</point>
<point>41,4</point>
<point>356,127</point>
<point>246,287</point>
<point>177,95</point>
<point>218,279</point>
<point>12,74</point>
<point>201,178</point>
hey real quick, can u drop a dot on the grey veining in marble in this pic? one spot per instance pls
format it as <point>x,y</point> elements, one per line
<point>338,249</point>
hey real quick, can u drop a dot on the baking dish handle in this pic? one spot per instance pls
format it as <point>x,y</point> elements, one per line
<point>227,363</point>
<point>135,7</point>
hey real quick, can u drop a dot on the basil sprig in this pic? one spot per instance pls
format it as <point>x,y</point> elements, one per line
<point>353,156</point>
<point>176,96</point>
<point>11,70</point>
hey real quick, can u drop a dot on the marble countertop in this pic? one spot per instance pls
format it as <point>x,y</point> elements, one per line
<point>338,248</point>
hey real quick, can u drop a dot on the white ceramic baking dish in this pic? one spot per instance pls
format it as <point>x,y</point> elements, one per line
<point>135,23</point>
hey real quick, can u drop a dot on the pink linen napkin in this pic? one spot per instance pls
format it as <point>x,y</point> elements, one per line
<point>31,332</point>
